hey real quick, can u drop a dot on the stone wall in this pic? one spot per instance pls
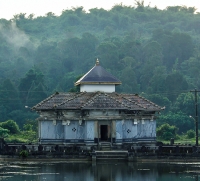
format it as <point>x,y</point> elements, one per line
<point>86,131</point>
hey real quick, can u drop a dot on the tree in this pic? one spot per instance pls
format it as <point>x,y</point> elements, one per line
<point>36,94</point>
<point>4,132</point>
<point>132,48</point>
<point>178,119</point>
<point>11,126</point>
<point>76,88</point>
<point>140,5</point>
<point>176,46</point>
<point>3,112</point>
<point>153,52</point>
<point>152,59</point>
<point>191,69</point>
<point>50,14</point>
<point>32,84</point>
<point>157,81</point>
<point>190,133</point>
<point>166,131</point>
<point>31,125</point>
<point>130,84</point>
<point>185,103</point>
<point>160,100</point>
<point>175,84</point>
<point>9,95</point>
<point>108,52</point>
<point>184,9</point>
<point>21,116</point>
<point>108,31</point>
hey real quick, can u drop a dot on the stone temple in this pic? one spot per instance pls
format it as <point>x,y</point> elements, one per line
<point>97,115</point>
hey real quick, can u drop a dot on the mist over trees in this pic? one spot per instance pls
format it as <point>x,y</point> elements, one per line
<point>154,52</point>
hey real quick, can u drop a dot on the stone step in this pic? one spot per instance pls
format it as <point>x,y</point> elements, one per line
<point>105,146</point>
<point>111,156</point>
<point>111,153</point>
<point>115,155</point>
<point>105,149</point>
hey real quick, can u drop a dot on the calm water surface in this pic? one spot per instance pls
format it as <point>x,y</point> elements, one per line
<point>32,171</point>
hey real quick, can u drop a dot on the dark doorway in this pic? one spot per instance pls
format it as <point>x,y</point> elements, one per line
<point>104,132</point>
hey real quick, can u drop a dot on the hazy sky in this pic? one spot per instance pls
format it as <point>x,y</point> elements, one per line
<point>8,8</point>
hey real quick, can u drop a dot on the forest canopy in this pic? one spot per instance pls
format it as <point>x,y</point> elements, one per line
<point>155,53</point>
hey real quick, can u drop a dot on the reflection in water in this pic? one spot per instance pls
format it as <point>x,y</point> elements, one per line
<point>102,171</point>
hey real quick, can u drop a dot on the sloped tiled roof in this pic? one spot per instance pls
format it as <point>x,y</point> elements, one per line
<point>98,75</point>
<point>96,100</point>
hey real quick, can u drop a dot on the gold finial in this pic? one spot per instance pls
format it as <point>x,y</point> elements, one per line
<point>97,62</point>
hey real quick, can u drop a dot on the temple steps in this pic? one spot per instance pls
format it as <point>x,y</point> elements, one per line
<point>105,146</point>
<point>109,155</point>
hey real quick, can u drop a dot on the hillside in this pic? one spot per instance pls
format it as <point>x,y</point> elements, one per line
<point>154,52</point>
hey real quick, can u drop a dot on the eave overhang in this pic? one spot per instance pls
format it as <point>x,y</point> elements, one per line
<point>96,101</point>
<point>97,83</point>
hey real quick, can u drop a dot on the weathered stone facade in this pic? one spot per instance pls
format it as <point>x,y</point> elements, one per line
<point>92,118</point>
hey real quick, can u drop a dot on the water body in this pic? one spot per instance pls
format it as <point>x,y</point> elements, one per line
<point>35,171</point>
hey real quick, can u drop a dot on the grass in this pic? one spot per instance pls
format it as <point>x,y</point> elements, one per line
<point>31,137</point>
<point>22,137</point>
<point>180,140</point>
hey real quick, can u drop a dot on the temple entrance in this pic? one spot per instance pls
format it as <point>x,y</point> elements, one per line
<point>104,132</point>
<point>104,135</point>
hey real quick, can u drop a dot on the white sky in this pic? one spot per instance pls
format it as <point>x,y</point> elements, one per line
<point>8,8</point>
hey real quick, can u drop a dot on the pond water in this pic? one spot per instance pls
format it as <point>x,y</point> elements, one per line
<point>48,171</point>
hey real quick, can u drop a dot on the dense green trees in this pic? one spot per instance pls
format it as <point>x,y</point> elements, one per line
<point>178,119</point>
<point>11,126</point>
<point>176,46</point>
<point>190,133</point>
<point>153,52</point>
<point>166,132</point>
<point>31,87</point>
<point>11,132</point>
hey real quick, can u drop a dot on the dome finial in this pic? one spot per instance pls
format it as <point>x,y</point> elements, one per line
<point>97,62</point>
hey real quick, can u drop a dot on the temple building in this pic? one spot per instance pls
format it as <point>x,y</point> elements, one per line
<point>97,115</point>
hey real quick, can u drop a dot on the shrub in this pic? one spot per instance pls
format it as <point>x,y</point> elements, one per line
<point>190,133</point>
<point>11,126</point>
<point>166,131</point>
<point>4,132</point>
<point>23,153</point>
<point>28,127</point>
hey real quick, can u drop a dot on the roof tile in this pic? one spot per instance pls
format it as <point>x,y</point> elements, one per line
<point>98,75</point>
<point>96,100</point>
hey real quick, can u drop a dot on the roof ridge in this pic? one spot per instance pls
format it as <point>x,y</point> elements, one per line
<point>118,100</point>
<point>96,100</point>
<point>93,97</point>
<point>45,100</point>
<point>78,81</point>
<point>133,102</point>
<point>106,94</point>
<point>149,101</point>
<point>98,75</point>
<point>75,96</point>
